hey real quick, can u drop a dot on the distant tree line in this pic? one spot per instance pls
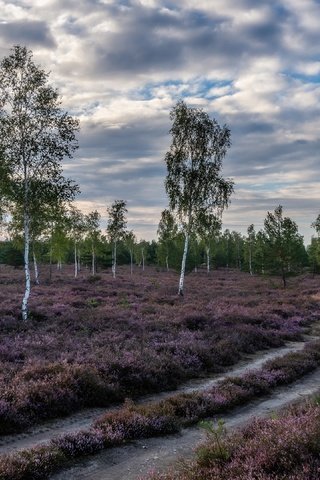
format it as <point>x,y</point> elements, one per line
<point>74,237</point>
<point>43,225</point>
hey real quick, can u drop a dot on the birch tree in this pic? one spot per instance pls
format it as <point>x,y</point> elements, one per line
<point>130,241</point>
<point>116,228</point>
<point>250,246</point>
<point>92,226</point>
<point>208,229</point>
<point>194,182</point>
<point>167,231</point>
<point>76,224</point>
<point>35,136</point>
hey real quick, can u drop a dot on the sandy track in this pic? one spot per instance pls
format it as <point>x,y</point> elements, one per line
<point>131,461</point>
<point>83,419</point>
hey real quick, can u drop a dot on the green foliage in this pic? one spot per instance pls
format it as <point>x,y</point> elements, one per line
<point>35,136</point>
<point>117,220</point>
<point>194,185</point>
<point>10,254</point>
<point>217,448</point>
<point>167,232</point>
<point>314,254</point>
<point>283,244</point>
<point>194,161</point>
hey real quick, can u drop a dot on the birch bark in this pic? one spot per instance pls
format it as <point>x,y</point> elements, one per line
<point>24,307</point>
<point>36,271</point>
<point>183,264</point>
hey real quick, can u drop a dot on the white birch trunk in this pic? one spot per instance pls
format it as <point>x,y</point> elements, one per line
<point>24,307</point>
<point>183,264</point>
<point>208,259</point>
<point>36,271</point>
<point>167,262</point>
<point>131,262</point>
<point>114,260</point>
<point>250,260</point>
<point>142,253</point>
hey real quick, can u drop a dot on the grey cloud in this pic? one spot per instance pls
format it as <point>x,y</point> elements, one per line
<point>74,26</point>
<point>146,43</point>
<point>28,32</point>
<point>141,138</point>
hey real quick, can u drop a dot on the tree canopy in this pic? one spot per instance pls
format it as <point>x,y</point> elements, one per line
<point>36,134</point>
<point>194,183</point>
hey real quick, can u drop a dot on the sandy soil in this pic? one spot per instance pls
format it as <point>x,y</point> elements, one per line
<point>81,420</point>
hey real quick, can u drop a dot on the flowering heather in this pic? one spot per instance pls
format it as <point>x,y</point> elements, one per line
<point>95,343</point>
<point>79,443</point>
<point>284,448</point>
<point>159,418</point>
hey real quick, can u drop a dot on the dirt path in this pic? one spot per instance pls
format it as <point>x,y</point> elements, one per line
<point>82,420</point>
<point>138,458</point>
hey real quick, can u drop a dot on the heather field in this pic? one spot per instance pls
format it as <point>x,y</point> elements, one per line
<point>94,341</point>
<point>284,447</point>
<point>97,341</point>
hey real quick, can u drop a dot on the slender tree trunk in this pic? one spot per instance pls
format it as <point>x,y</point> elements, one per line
<point>26,227</point>
<point>250,260</point>
<point>239,257</point>
<point>167,259</point>
<point>208,260</point>
<point>142,253</point>
<point>24,308</point>
<point>93,260</point>
<point>50,264</point>
<point>50,256</point>
<point>114,260</point>
<point>79,260</point>
<point>36,271</point>
<point>227,253</point>
<point>283,274</point>
<point>75,261</point>
<point>183,264</point>
<point>131,262</point>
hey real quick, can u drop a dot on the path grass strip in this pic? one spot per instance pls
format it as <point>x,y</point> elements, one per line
<point>158,418</point>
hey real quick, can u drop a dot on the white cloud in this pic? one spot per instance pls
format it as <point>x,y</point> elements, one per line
<point>121,69</point>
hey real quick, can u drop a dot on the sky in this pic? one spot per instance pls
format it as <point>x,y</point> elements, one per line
<point>120,67</point>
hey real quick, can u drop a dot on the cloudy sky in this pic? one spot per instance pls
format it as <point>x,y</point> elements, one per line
<point>121,66</point>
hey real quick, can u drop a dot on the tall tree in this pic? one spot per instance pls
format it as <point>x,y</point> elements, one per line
<point>284,243</point>
<point>314,247</point>
<point>194,182</point>
<point>250,241</point>
<point>208,229</point>
<point>116,227</point>
<point>77,226</point>
<point>92,226</point>
<point>57,235</point>
<point>167,231</point>
<point>260,253</point>
<point>130,242</point>
<point>35,136</point>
